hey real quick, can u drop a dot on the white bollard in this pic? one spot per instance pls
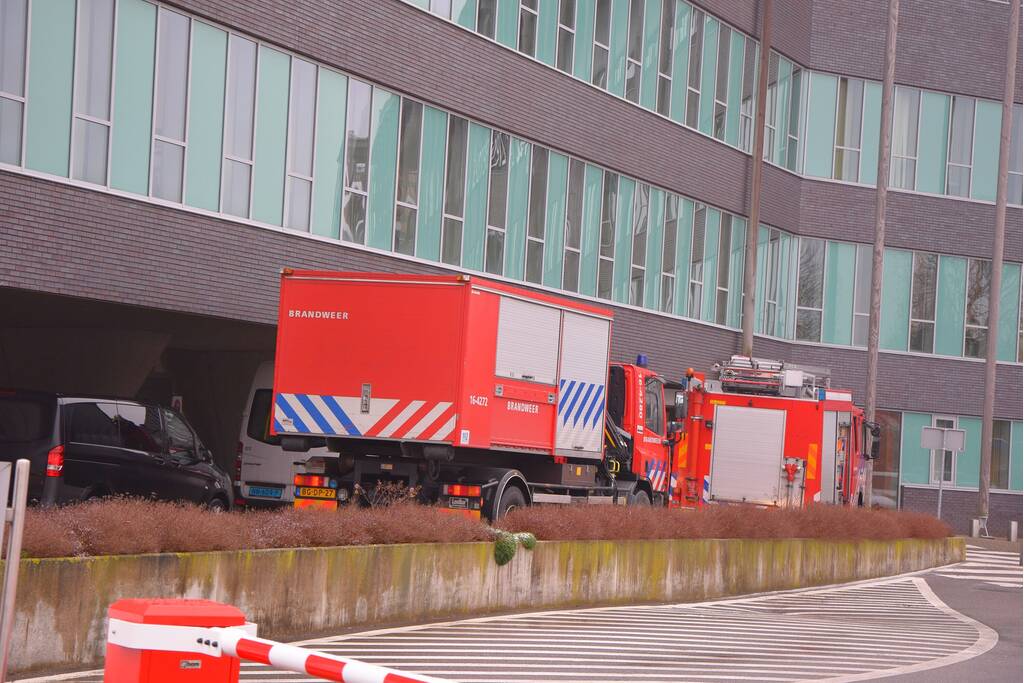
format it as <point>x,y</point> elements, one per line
<point>1013,531</point>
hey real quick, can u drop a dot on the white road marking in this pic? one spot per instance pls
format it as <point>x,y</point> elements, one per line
<point>995,567</point>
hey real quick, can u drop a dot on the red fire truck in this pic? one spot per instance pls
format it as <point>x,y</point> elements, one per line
<point>484,395</point>
<point>769,434</point>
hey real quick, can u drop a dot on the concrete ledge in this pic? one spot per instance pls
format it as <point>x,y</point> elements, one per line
<point>62,603</point>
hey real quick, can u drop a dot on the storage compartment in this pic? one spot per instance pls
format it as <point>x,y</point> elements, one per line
<point>746,454</point>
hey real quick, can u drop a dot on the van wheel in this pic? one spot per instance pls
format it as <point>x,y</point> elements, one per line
<point>639,498</point>
<point>217,505</point>
<point>511,498</point>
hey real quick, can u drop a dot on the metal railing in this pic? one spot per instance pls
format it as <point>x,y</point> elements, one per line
<point>12,506</point>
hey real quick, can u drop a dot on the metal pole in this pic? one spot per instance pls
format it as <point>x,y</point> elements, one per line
<point>942,475</point>
<point>757,166</point>
<point>16,516</point>
<point>995,284</point>
<point>881,197</point>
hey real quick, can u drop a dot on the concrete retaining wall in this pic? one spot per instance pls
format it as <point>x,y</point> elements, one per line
<point>62,603</point>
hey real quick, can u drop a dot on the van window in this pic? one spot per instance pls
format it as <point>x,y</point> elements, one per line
<point>181,442</point>
<point>140,428</point>
<point>259,418</point>
<point>25,418</point>
<point>92,423</point>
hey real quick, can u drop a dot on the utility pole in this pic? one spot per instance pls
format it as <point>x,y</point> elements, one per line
<point>995,283</point>
<point>757,165</point>
<point>881,197</point>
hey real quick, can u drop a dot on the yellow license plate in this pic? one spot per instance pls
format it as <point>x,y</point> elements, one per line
<point>316,492</point>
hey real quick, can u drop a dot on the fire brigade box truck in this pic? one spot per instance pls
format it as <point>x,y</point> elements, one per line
<point>484,395</point>
<point>769,434</point>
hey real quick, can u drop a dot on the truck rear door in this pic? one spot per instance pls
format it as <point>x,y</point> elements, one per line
<point>746,454</point>
<point>581,386</point>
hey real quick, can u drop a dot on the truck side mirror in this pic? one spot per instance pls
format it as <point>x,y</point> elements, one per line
<point>680,408</point>
<point>875,445</point>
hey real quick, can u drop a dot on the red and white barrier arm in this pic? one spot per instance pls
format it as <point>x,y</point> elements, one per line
<point>237,643</point>
<point>241,642</point>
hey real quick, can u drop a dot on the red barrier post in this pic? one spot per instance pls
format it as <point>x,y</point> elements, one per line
<point>132,657</point>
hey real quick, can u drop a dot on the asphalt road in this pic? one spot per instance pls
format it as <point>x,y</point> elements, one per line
<point>960,623</point>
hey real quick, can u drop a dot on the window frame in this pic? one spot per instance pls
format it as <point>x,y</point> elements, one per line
<point>723,265</point>
<point>694,67</point>
<point>289,174</point>
<point>88,118</point>
<point>917,140</point>
<point>663,90</point>
<point>935,301</point>
<point>400,204</point>
<point>696,268</point>
<point>566,242</point>
<point>608,260</point>
<point>667,302</point>
<point>824,284</point>
<point>535,11</point>
<point>848,149</point>
<point>598,45</point>
<point>638,257</point>
<point>488,228</point>
<point>856,300</point>
<point>538,181</point>
<point>250,162</point>
<point>346,189</point>
<point>932,479</point>
<point>22,98</point>
<point>721,99</point>
<point>745,139</point>
<point>445,214</point>
<point>636,63</point>
<point>970,146</point>
<point>183,144</point>
<point>967,301</point>
<point>772,272</point>
<point>570,30</point>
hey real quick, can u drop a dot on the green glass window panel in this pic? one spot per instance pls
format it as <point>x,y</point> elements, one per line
<point>869,132</point>
<point>1009,310</point>
<point>271,136</point>
<point>617,48</point>
<point>554,236</point>
<point>508,23</point>
<point>384,108</point>
<point>477,170</point>
<point>328,174</point>
<point>949,309</point>
<point>1016,455</point>
<point>821,125</point>
<point>623,240</point>
<point>684,236</point>
<point>932,143</point>
<point>133,97</point>
<point>591,237</point>
<point>968,463</point>
<point>652,35</point>
<point>680,64</point>
<point>464,13</point>
<point>709,69</point>
<point>782,102</point>
<point>422,4</point>
<point>431,194</point>
<point>583,46</point>
<point>840,259</point>
<point>712,229</point>
<point>732,112</point>
<point>987,124</point>
<point>897,270</point>
<point>915,462</point>
<point>518,203</point>
<point>51,69</point>
<point>547,32</point>
<point>763,234</point>
<point>205,116</point>
<point>736,259</point>
<point>655,246</point>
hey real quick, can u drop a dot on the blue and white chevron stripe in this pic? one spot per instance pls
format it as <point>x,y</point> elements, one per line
<point>580,400</point>
<point>580,416</point>
<point>657,473</point>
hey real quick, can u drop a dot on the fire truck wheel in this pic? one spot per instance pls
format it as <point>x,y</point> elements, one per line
<point>640,498</point>
<point>511,498</point>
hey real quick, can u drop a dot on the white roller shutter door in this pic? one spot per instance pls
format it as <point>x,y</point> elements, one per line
<point>527,341</point>
<point>581,390</point>
<point>746,454</point>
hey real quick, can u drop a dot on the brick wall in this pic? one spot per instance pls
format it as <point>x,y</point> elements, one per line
<point>960,507</point>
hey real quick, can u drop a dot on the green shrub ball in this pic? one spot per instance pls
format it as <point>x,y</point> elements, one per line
<point>527,540</point>
<point>504,549</point>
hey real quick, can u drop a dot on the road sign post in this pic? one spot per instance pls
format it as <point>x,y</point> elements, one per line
<point>942,439</point>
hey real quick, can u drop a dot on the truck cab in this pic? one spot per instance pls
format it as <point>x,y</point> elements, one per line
<point>642,404</point>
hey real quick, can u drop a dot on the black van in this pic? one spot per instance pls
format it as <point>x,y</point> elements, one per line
<point>86,447</point>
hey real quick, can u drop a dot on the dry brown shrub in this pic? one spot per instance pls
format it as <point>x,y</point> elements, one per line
<point>125,526</point>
